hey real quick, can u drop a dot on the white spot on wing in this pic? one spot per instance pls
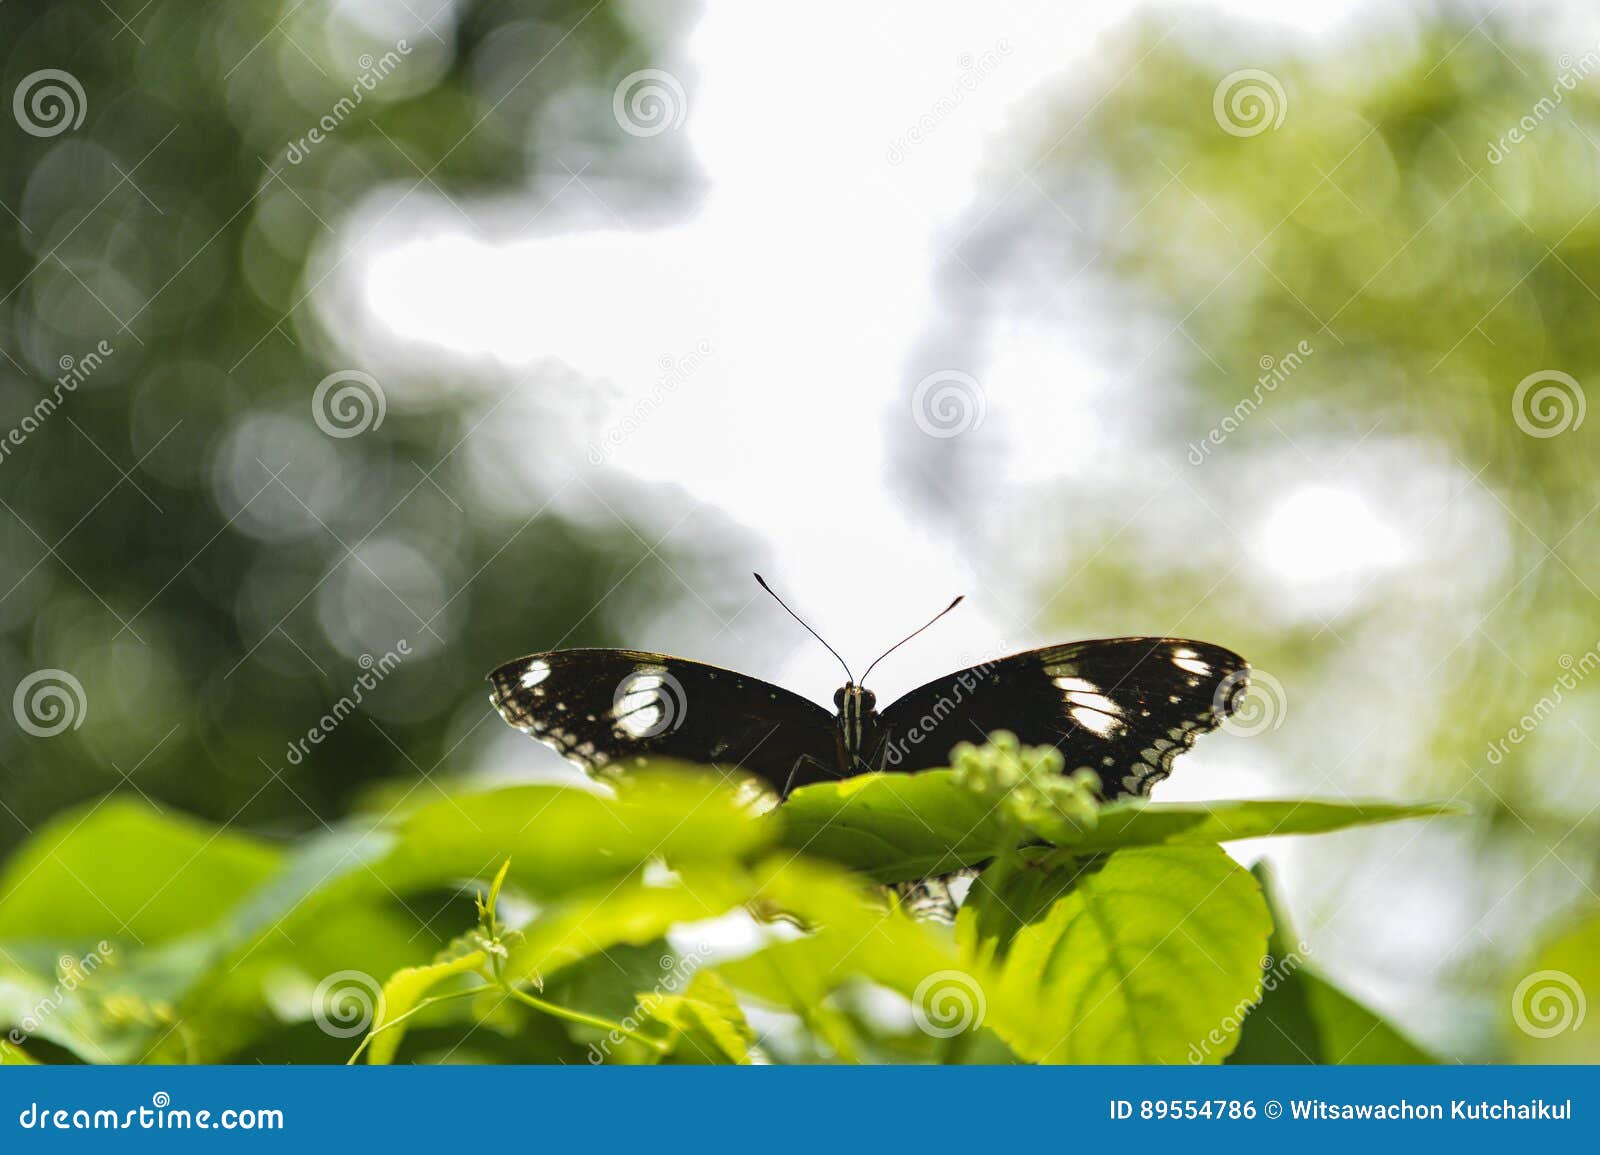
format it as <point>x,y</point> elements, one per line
<point>1102,724</point>
<point>536,672</point>
<point>1094,701</point>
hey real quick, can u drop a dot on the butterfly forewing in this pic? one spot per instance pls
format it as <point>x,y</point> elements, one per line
<point>1124,708</point>
<point>607,708</point>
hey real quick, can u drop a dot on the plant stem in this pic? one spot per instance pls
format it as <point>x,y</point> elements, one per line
<point>587,1020</point>
<point>400,1018</point>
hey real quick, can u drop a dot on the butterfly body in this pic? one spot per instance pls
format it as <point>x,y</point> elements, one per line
<point>1123,708</point>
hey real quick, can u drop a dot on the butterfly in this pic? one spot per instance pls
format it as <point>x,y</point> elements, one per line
<point>1122,708</point>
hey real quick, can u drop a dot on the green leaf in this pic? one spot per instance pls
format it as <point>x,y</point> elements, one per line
<point>893,827</point>
<point>1303,1018</point>
<point>119,870</point>
<point>705,1024</point>
<point>853,938</point>
<point>401,995</point>
<point>1551,1020</point>
<point>561,839</point>
<point>1197,823</point>
<point>632,911</point>
<point>896,827</point>
<point>36,1001</point>
<point>15,1056</point>
<point>1126,959</point>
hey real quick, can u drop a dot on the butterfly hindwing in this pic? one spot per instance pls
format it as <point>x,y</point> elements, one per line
<point>1124,708</point>
<point>604,708</point>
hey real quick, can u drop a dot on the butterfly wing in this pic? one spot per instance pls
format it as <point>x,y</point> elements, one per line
<point>605,708</point>
<point>1124,708</point>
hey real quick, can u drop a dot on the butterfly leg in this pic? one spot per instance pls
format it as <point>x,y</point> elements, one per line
<point>807,762</point>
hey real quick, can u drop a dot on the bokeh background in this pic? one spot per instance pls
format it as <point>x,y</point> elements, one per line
<point>355,341</point>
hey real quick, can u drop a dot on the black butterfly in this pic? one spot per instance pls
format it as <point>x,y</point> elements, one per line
<point>1124,708</point>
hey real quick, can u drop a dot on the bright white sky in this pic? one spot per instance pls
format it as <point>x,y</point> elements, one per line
<point>810,268</point>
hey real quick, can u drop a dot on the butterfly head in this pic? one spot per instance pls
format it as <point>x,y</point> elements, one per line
<point>861,699</point>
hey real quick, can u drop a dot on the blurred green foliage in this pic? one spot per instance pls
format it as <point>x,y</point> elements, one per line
<point>179,535</point>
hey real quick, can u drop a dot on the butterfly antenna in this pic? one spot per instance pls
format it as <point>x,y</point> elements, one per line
<point>911,635</point>
<point>763,583</point>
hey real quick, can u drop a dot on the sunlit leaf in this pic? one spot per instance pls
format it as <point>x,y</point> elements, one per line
<point>632,911</point>
<point>401,994</point>
<point>562,838</point>
<point>1126,959</point>
<point>896,827</point>
<point>705,1023</point>
<point>1554,1002</point>
<point>117,869</point>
